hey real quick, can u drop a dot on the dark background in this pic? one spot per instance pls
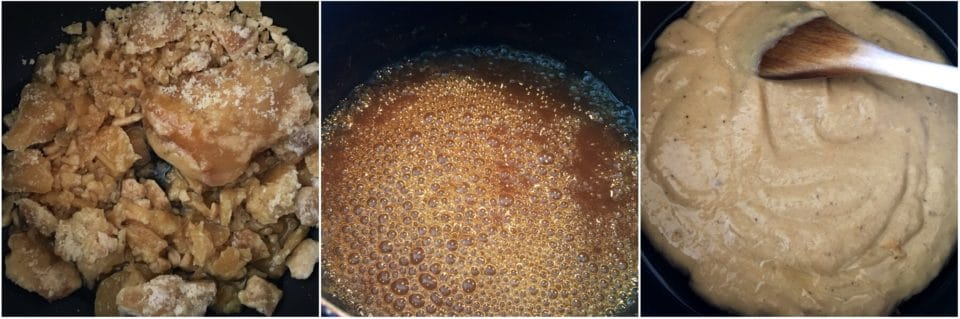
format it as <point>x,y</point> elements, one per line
<point>359,38</point>
<point>665,290</point>
<point>33,28</point>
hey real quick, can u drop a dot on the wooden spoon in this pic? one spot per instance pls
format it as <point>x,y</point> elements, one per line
<point>822,48</point>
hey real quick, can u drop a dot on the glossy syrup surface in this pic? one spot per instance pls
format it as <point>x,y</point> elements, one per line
<point>479,182</point>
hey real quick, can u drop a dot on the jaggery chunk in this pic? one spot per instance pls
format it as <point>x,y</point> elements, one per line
<point>313,163</point>
<point>147,246</point>
<point>227,301</point>
<point>153,26</point>
<point>156,195</point>
<point>195,61</point>
<point>302,140</point>
<point>248,239</point>
<point>236,39</point>
<point>231,264</point>
<point>113,148</point>
<point>275,197</point>
<point>211,123</point>
<point>303,258</point>
<point>161,222</point>
<point>39,117</point>
<point>261,295</point>
<point>91,271</point>
<point>167,295</point>
<point>308,206</point>
<point>86,237</point>
<point>27,171</point>
<point>8,211</point>
<point>37,216</point>
<point>230,199</point>
<point>32,265</point>
<point>90,241</point>
<point>106,299</point>
<point>250,8</point>
<point>201,246</point>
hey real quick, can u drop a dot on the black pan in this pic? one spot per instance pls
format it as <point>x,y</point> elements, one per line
<point>665,290</point>
<point>361,38</point>
<point>33,28</point>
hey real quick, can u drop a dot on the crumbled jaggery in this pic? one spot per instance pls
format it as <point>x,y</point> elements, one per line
<point>145,142</point>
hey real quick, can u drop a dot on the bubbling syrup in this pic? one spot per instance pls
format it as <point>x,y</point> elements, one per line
<point>480,182</point>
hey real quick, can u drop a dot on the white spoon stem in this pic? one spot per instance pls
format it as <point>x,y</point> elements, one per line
<point>879,61</point>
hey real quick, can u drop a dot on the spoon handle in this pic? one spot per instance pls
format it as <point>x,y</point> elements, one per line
<point>876,60</point>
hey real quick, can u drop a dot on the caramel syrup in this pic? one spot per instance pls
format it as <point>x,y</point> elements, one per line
<point>480,182</point>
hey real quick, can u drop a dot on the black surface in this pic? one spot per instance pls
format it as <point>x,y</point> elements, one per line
<point>665,290</point>
<point>359,38</point>
<point>33,28</point>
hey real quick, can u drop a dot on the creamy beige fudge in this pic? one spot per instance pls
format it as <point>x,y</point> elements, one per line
<point>820,196</point>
